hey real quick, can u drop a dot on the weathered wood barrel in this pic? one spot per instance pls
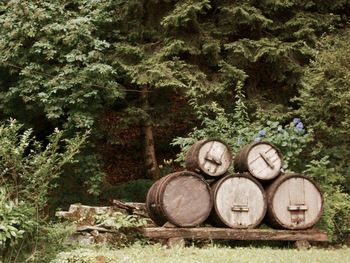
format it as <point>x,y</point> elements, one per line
<point>211,157</point>
<point>151,205</point>
<point>239,201</point>
<point>294,202</point>
<point>263,160</point>
<point>182,199</point>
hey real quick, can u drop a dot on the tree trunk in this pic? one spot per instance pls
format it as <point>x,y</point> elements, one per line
<point>149,151</point>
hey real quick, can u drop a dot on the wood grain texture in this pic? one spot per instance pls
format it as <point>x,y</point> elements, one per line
<point>262,160</point>
<point>294,202</point>
<point>186,199</point>
<point>210,157</point>
<point>152,205</point>
<point>234,234</point>
<point>182,199</point>
<point>239,201</point>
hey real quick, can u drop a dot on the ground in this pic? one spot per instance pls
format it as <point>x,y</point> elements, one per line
<point>209,254</point>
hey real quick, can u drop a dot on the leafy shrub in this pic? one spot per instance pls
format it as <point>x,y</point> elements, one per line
<point>125,227</point>
<point>291,139</point>
<point>27,167</point>
<point>133,191</point>
<point>324,104</point>
<point>51,239</point>
<point>336,201</point>
<point>324,100</point>
<point>16,220</point>
<point>237,130</point>
<point>118,220</point>
<point>27,172</point>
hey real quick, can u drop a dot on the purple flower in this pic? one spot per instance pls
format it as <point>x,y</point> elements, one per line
<point>257,139</point>
<point>296,121</point>
<point>262,133</point>
<point>300,126</point>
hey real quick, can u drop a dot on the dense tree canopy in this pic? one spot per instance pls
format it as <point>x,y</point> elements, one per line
<point>69,64</point>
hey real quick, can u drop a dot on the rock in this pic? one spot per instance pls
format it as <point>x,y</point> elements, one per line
<point>84,214</point>
<point>79,238</point>
<point>88,232</point>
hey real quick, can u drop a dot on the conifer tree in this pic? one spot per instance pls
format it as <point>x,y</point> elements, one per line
<point>68,61</point>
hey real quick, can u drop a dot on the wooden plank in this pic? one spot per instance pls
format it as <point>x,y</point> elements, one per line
<point>234,234</point>
<point>95,228</point>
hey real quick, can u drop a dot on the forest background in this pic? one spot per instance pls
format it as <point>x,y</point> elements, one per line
<point>100,98</point>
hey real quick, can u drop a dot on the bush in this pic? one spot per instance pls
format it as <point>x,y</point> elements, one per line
<point>324,100</point>
<point>124,227</point>
<point>292,139</point>
<point>28,168</point>
<point>16,220</point>
<point>27,172</point>
<point>133,191</point>
<point>324,104</point>
<point>336,201</point>
<point>237,130</point>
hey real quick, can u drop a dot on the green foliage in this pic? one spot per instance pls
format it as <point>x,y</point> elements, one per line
<point>71,60</point>
<point>59,69</point>
<point>118,220</point>
<point>28,170</point>
<point>167,167</point>
<point>124,227</point>
<point>214,254</point>
<point>133,191</point>
<point>185,12</point>
<point>237,130</point>
<point>336,202</point>
<point>65,63</point>
<point>16,220</point>
<point>51,240</point>
<point>43,245</point>
<point>60,62</point>
<point>324,100</point>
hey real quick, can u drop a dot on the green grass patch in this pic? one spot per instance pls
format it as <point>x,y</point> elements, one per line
<point>212,254</point>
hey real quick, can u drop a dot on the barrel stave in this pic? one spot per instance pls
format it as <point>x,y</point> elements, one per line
<point>210,157</point>
<point>239,202</point>
<point>261,159</point>
<point>294,202</point>
<point>182,199</point>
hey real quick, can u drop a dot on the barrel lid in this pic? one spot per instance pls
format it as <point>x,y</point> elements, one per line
<point>296,201</point>
<point>239,201</point>
<point>264,160</point>
<point>185,199</point>
<point>214,157</point>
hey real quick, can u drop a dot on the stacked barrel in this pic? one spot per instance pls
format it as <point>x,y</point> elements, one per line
<point>258,191</point>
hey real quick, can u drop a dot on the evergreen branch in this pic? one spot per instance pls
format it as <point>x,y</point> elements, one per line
<point>13,65</point>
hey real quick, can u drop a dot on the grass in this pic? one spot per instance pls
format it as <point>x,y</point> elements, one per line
<point>211,254</point>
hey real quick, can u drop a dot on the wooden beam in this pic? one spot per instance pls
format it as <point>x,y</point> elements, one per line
<point>234,234</point>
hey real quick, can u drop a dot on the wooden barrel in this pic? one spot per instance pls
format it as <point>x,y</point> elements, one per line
<point>211,157</point>
<point>239,201</point>
<point>294,202</point>
<point>261,159</point>
<point>182,199</point>
<point>150,205</point>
